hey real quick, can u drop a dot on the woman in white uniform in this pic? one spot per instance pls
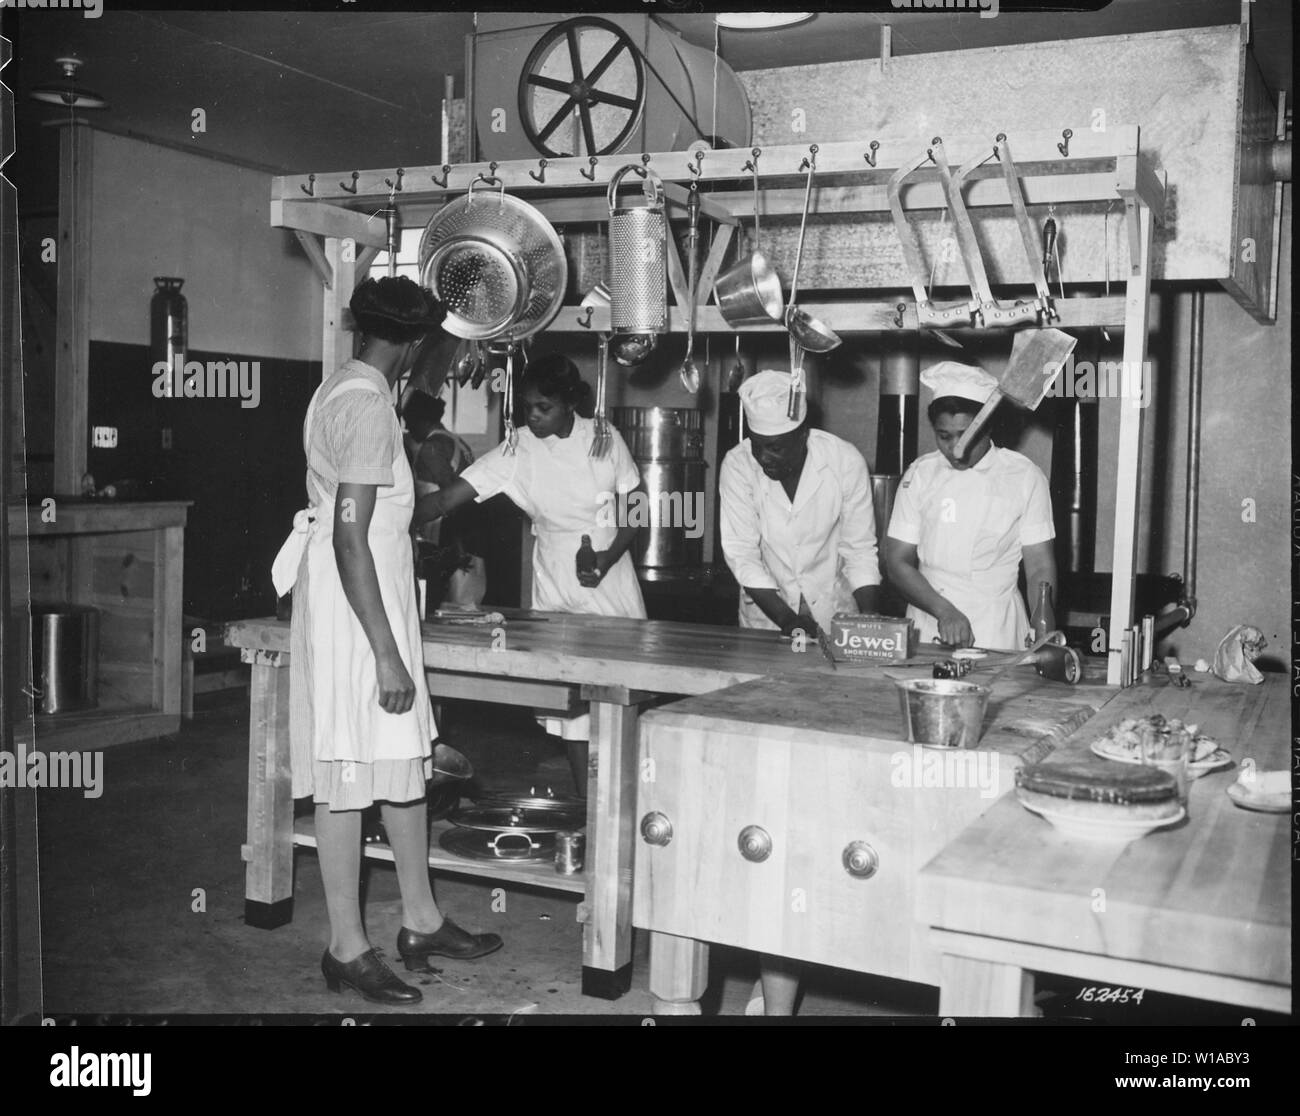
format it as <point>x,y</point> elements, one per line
<point>799,533</point>
<point>360,722</point>
<point>961,527</point>
<point>567,493</point>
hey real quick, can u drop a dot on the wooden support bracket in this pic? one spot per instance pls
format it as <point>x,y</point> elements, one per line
<point>713,263</point>
<point>316,254</point>
<point>328,220</point>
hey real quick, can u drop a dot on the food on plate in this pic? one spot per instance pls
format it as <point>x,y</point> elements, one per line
<point>1089,789</point>
<point>1157,737</point>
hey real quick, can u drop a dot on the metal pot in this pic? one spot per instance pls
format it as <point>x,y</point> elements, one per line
<point>749,292</point>
<point>65,656</point>
<point>942,713</point>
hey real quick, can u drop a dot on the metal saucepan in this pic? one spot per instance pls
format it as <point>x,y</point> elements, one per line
<point>749,292</point>
<point>813,335</point>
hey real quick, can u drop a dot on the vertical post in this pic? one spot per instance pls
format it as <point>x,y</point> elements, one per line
<point>72,316</point>
<point>268,880</point>
<point>336,328</point>
<point>1128,472</point>
<point>168,618</point>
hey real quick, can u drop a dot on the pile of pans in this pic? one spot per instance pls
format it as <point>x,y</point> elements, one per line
<point>513,826</point>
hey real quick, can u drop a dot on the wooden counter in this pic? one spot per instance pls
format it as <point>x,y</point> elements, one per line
<point>816,768</point>
<point>558,660</point>
<point>127,560</point>
<point>1202,909</point>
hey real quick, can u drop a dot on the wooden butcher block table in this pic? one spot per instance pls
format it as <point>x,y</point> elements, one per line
<point>1202,909</point>
<point>788,816</point>
<point>543,660</point>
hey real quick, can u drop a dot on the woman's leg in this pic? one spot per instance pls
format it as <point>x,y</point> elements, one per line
<point>780,985</point>
<point>408,837</point>
<point>338,846</point>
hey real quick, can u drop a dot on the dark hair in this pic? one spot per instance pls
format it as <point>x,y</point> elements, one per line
<point>556,377</point>
<point>395,309</point>
<point>952,405</point>
<point>423,409</point>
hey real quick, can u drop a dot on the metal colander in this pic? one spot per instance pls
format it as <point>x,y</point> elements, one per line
<point>496,264</point>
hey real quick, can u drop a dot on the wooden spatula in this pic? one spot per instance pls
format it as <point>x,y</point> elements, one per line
<point>1037,356</point>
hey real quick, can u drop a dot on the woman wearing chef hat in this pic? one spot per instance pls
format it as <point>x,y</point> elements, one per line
<point>961,527</point>
<point>798,528</point>
<point>799,533</point>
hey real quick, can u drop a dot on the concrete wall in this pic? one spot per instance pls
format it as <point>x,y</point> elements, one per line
<point>157,211</point>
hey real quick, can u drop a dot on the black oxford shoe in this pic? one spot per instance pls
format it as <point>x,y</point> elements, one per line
<point>369,976</point>
<point>449,940</point>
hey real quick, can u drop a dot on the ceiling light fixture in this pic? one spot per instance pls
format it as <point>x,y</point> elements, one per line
<point>760,21</point>
<point>67,92</point>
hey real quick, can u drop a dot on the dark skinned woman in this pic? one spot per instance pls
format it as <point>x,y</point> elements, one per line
<point>360,722</point>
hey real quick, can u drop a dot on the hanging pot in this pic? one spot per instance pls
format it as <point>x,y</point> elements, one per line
<point>749,292</point>
<point>638,261</point>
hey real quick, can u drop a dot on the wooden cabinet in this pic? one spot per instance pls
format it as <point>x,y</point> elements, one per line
<point>850,811</point>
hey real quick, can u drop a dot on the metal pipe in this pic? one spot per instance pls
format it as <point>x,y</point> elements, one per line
<point>1279,160</point>
<point>1193,446</point>
<point>1181,614</point>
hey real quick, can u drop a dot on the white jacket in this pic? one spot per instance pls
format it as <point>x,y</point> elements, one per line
<point>820,547</point>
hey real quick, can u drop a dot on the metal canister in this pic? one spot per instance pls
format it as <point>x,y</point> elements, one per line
<point>570,845</point>
<point>638,261</point>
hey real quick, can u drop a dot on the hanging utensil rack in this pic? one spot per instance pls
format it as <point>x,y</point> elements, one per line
<point>1105,168</point>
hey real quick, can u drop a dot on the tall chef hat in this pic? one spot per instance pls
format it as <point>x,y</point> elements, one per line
<point>765,397</point>
<point>962,380</point>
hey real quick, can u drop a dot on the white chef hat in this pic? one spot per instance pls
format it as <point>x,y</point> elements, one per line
<point>766,399</point>
<point>965,381</point>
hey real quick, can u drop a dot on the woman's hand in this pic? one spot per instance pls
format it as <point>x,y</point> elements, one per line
<point>589,579</point>
<point>954,628</point>
<point>396,689</point>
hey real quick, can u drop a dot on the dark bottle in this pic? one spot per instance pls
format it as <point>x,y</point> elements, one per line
<point>1038,619</point>
<point>586,556</point>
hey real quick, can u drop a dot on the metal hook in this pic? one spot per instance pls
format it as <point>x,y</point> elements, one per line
<point>353,188</point>
<point>1064,148</point>
<point>539,175</point>
<point>310,188</point>
<point>810,160</point>
<point>585,320</point>
<point>645,159</point>
<point>590,175</point>
<point>395,188</point>
<point>998,141</point>
<point>870,156</point>
<point>697,167</point>
<point>936,142</point>
<point>441,183</point>
<point>752,164</point>
<point>492,169</point>
<point>899,311</point>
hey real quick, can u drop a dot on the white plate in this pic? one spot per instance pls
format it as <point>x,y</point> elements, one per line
<point>1253,800</point>
<point>1104,831</point>
<point>1215,761</point>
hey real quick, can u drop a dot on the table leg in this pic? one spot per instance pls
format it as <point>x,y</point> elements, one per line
<point>986,988</point>
<point>679,974</point>
<point>611,806</point>
<point>268,881</point>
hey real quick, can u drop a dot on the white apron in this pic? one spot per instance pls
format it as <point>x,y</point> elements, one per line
<point>969,562</point>
<point>334,693</point>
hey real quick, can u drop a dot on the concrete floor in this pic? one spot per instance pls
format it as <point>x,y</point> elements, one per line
<point>142,903</point>
<point>121,877</point>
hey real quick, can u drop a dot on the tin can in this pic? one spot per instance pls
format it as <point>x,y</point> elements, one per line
<point>570,844</point>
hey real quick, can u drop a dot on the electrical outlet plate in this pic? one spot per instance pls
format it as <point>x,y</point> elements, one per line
<point>104,437</point>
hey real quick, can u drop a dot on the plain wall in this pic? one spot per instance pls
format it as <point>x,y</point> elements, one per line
<point>250,287</point>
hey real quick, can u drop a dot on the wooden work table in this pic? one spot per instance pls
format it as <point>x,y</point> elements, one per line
<point>1202,909</point>
<point>542,660</point>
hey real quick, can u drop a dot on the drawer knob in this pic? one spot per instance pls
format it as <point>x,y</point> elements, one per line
<point>860,860</point>
<point>656,829</point>
<point>755,843</point>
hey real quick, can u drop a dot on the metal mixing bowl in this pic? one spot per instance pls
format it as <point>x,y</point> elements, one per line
<point>943,712</point>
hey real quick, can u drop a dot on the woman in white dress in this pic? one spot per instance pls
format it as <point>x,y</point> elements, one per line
<point>567,493</point>
<point>361,727</point>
